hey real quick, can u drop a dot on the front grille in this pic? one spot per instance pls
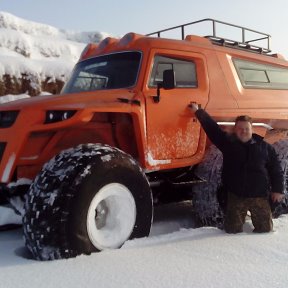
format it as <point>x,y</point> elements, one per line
<point>2,149</point>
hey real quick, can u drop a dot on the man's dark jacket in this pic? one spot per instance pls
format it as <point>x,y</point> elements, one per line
<point>250,169</point>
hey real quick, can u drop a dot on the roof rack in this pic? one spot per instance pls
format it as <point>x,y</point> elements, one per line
<point>216,39</point>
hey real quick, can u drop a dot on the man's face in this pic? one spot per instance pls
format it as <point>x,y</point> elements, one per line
<point>243,131</point>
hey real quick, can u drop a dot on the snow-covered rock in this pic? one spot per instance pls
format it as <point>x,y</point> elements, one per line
<point>33,56</point>
<point>9,98</point>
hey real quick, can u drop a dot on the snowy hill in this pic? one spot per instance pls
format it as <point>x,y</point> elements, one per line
<point>36,57</point>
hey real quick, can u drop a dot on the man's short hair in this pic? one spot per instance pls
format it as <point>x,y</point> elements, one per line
<point>243,118</point>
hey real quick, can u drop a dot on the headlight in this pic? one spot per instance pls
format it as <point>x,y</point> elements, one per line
<point>7,118</point>
<point>53,116</point>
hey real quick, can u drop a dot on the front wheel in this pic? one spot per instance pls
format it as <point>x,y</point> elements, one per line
<point>86,199</point>
<point>111,216</point>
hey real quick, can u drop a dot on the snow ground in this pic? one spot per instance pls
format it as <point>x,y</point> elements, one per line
<point>175,255</point>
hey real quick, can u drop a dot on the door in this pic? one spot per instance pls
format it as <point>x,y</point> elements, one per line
<point>172,130</point>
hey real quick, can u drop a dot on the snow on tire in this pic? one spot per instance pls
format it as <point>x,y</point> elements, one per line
<point>205,198</point>
<point>86,199</point>
<point>281,148</point>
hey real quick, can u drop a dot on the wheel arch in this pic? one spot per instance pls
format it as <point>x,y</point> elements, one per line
<point>112,128</point>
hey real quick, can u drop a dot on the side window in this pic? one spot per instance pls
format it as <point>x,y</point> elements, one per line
<point>256,75</point>
<point>185,71</point>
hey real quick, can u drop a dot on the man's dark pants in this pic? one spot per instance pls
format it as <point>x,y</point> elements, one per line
<point>236,212</point>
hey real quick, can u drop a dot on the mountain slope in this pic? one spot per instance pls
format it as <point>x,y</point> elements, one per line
<point>35,57</point>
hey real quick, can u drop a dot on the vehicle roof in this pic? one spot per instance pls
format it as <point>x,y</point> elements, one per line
<point>249,41</point>
<point>133,41</point>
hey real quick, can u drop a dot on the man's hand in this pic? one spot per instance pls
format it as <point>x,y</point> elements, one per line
<point>193,107</point>
<point>277,197</point>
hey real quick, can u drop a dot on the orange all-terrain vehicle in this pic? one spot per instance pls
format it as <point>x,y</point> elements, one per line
<point>121,134</point>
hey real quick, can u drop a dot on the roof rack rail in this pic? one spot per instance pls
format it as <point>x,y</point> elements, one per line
<point>216,39</point>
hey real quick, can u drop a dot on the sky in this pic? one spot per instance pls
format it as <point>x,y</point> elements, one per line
<point>120,17</point>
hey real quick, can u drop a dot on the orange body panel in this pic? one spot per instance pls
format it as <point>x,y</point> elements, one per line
<point>160,135</point>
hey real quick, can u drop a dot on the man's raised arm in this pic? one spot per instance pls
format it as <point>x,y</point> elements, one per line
<point>212,129</point>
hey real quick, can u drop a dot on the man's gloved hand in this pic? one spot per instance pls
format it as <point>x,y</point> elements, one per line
<point>277,197</point>
<point>193,107</point>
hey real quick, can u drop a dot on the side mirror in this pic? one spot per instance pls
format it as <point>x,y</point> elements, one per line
<point>168,79</point>
<point>167,83</point>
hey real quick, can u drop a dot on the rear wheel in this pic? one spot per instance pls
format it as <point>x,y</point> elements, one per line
<point>86,199</point>
<point>281,148</point>
<point>206,195</point>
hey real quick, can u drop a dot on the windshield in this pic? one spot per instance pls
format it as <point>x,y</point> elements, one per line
<point>111,71</point>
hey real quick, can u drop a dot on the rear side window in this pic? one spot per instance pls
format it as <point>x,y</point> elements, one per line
<point>255,75</point>
<point>185,71</point>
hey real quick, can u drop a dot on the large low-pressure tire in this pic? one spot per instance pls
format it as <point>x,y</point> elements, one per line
<point>206,198</point>
<point>281,148</point>
<point>86,199</point>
